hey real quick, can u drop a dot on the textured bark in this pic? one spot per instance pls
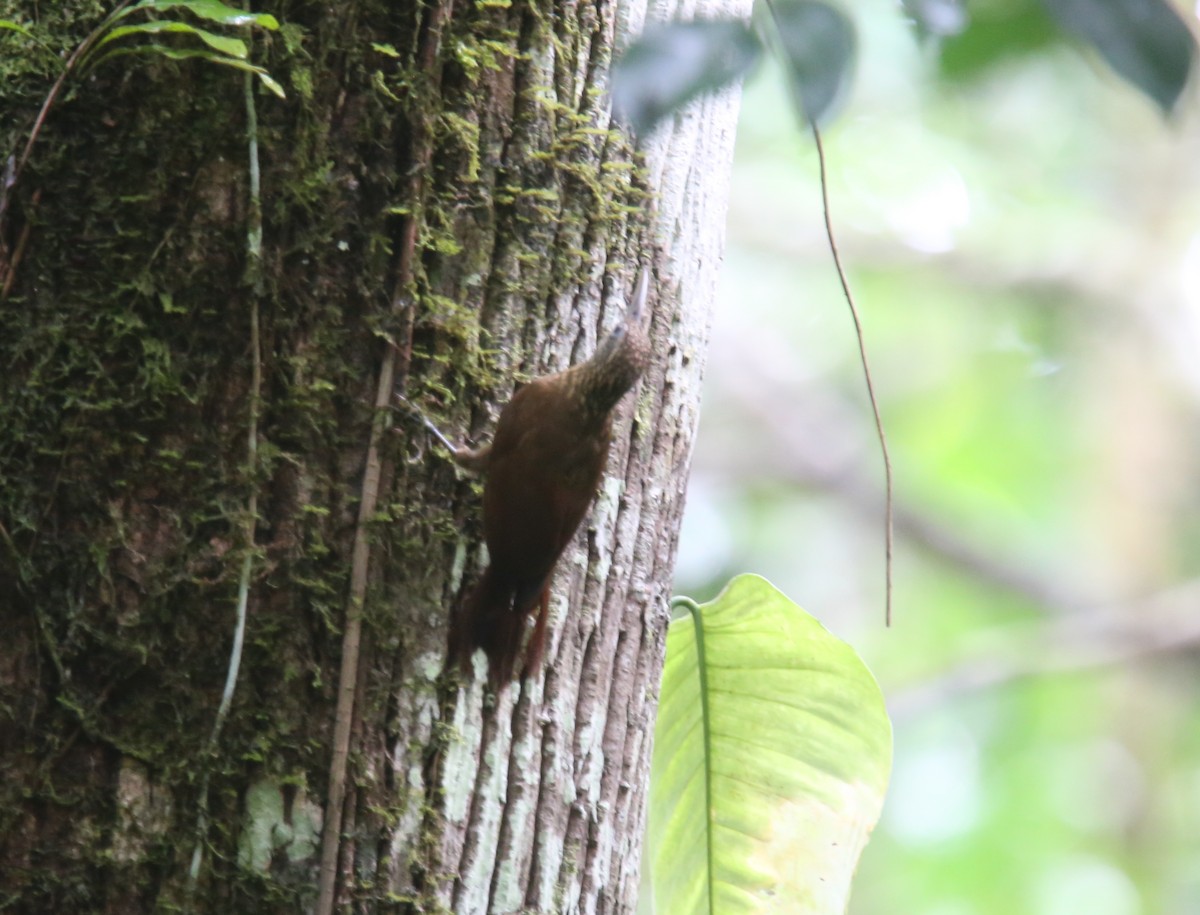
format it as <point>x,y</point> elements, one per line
<point>441,189</point>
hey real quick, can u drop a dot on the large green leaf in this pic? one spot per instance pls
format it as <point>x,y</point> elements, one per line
<point>1145,41</point>
<point>771,759</point>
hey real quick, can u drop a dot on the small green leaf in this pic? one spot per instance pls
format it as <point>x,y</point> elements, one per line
<point>10,26</point>
<point>271,83</point>
<point>231,47</point>
<point>212,10</point>
<point>386,49</point>
<point>15,27</point>
<point>1145,41</point>
<point>772,751</point>
<point>937,17</point>
<point>669,65</point>
<point>177,54</point>
<point>818,45</point>
<point>168,304</point>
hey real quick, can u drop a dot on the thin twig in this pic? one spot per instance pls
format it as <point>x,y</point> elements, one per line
<point>393,373</point>
<point>22,243</point>
<point>352,643</point>
<point>430,426</point>
<point>866,366</point>
<point>254,256</point>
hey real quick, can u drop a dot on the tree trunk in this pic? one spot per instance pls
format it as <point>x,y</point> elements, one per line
<point>446,209</point>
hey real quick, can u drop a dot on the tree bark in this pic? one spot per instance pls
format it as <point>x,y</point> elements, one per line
<point>446,209</point>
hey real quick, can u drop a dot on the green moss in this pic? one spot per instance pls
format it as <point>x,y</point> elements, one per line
<point>465,133</point>
<point>478,52</point>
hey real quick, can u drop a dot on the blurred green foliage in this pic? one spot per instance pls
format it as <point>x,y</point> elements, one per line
<point>998,29</point>
<point>1024,241</point>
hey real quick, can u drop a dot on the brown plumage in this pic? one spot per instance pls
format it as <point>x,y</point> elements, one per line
<point>542,470</point>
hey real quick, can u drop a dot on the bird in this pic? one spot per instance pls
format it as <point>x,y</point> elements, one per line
<point>541,472</point>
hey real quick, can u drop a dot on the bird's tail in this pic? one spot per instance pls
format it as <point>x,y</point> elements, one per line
<point>492,617</point>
